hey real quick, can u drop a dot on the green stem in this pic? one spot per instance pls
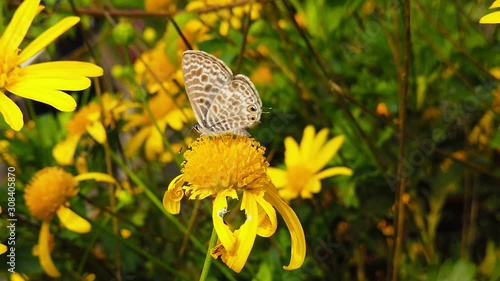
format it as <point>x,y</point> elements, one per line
<point>208,257</point>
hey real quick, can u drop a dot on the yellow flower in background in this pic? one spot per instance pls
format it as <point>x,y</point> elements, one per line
<point>231,17</point>
<point>47,195</point>
<point>165,113</point>
<point>157,72</point>
<point>41,82</point>
<point>228,167</point>
<point>88,120</point>
<point>494,17</point>
<point>303,174</point>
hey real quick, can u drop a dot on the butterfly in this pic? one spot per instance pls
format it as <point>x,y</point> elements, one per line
<point>222,103</point>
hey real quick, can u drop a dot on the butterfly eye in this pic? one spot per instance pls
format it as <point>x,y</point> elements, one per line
<point>251,118</point>
<point>252,108</point>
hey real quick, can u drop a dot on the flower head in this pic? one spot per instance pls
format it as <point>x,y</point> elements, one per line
<point>42,82</point>
<point>303,174</point>
<point>228,167</point>
<point>48,194</point>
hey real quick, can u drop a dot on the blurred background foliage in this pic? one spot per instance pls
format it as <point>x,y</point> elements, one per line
<point>333,64</point>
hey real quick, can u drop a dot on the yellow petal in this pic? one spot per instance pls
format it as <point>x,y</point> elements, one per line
<point>268,221</point>
<point>64,151</point>
<point>44,252</point>
<point>154,144</point>
<point>316,145</point>
<point>58,83</point>
<point>223,232</point>
<point>99,177</point>
<point>18,27</point>
<point>97,131</point>
<point>335,171</point>
<point>136,141</point>
<point>73,221</point>
<point>68,69</point>
<point>306,142</point>
<point>326,153</point>
<point>245,237</point>
<point>292,153</point>
<point>294,226</point>
<point>59,100</point>
<point>11,113</point>
<point>491,18</point>
<point>278,176</point>
<point>495,4</point>
<point>16,277</point>
<point>312,186</point>
<point>3,248</point>
<point>46,38</point>
<point>173,196</point>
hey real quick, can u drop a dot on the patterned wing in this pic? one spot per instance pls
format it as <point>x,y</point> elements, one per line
<point>204,76</point>
<point>236,107</point>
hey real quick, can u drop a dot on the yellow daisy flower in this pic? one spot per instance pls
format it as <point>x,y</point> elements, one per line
<point>225,167</point>
<point>47,195</point>
<point>303,174</point>
<point>88,120</point>
<point>225,17</point>
<point>157,71</point>
<point>494,17</point>
<point>42,82</point>
<point>165,113</point>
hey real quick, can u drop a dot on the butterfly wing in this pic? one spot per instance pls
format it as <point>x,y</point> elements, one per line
<point>237,106</point>
<point>204,77</point>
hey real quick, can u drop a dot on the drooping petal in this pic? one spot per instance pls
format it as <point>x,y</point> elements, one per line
<point>294,226</point>
<point>44,251</point>
<point>292,152</point>
<point>245,236</point>
<point>68,69</point>
<point>223,232</point>
<point>278,176</point>
<point>46,38</point>
<point>18,27</point>
<point>99,177</point>
<point>58,99</point>
<point>11,112</point>
<point>335,171</point>
<point>97,131</point>
<point>73,221</point>
<point>267,217</point>
<point>326,153</point>
<point>173,196</point>
<point>64,151</point>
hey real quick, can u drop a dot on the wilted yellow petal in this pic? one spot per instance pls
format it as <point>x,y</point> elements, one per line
<point>223,232</point>
<point>44,251</point>
<point>173,196</point>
